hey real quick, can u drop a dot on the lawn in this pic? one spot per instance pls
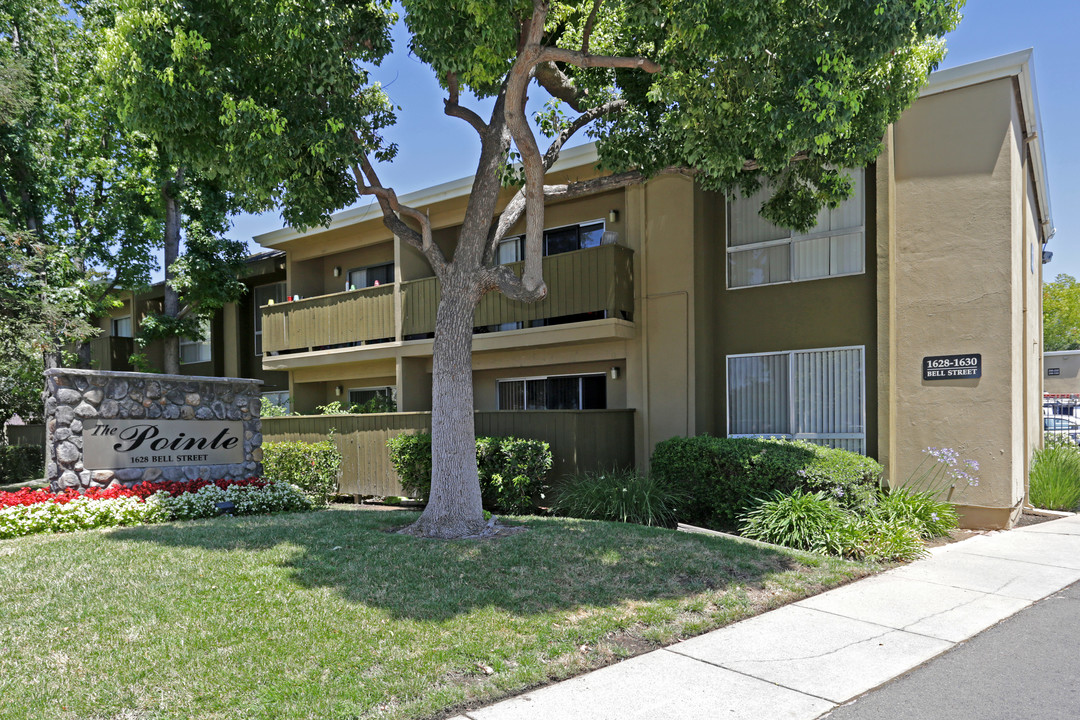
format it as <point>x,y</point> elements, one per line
<point>325,615</point>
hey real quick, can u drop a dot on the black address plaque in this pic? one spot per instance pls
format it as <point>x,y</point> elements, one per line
<point>952,367</point>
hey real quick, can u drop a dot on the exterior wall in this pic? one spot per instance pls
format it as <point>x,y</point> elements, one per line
<point>822,313</point>
<point>956,283</point>
<point>1067,362</point>
<point>74,397</point>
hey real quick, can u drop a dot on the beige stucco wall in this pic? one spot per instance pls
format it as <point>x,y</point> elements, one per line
<point>1068,363</point>
<point>956,283</point>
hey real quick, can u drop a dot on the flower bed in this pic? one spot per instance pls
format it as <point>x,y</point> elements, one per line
<point>25,512</point>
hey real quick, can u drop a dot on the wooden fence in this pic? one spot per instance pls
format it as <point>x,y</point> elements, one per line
<point>579,439</point>
<point>26,435</point>
<point>352,316</point>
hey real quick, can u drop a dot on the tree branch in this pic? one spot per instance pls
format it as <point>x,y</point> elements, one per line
<point>517,82</point>
<point>454,109</point>
<point>391,206</point>
<point>608,182</point>
<point>512,212</point>
<point>580,59</point>
<point>559,85</point>
<point>586,34</point>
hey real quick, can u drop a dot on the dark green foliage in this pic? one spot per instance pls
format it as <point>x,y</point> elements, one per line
<point>512,471</point>
<point>920,511</point>
<point>620,495</point>
<point>723,476</point>
<point>21,462</point>
<point>315,468</point>
<point>804,521</point>
<point>1055,476</point>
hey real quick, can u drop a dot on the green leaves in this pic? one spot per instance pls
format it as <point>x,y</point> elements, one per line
<point>1061,314</point>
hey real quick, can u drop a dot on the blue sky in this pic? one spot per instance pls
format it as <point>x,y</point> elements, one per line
<point>435,148</point>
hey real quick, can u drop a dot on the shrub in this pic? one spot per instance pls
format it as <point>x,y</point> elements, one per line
<point>268,408</point>
<point>619,495</point>
<point>248,500</point>
<point>315,467</point>
<point>512,470</point>
<point>805,521</point>
<point>877,538</point>
<point>1055,477</point>
<point>920,511</point>
<point>21,462</point>
<point>411,457</point>
<point>723,476</point>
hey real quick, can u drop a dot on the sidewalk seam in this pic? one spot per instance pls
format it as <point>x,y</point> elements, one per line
<point>752,677</point>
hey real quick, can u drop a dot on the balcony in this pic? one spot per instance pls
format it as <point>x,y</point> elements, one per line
<point>336,320</point>
<point>112,353</point>
<point>594,283</point>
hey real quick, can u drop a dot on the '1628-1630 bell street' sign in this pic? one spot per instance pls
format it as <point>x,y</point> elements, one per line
<point>952,367</point>
<point>160,443</point>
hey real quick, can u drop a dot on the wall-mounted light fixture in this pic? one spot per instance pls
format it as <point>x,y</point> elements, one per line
<point>613,216</point>
<point>337,271</point>
<point>338,390</point>
<point>614,372</point>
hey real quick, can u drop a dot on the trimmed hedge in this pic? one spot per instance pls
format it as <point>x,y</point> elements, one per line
<point>21,462</point>
<point>722,477</point>
<point>512,470</point>
<point>315,467</point>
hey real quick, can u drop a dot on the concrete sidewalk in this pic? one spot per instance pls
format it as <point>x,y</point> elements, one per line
<point>801,661</point>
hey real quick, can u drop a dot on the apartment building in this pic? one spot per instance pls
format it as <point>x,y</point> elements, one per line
<point>232,340</point>
<point>909,318</point>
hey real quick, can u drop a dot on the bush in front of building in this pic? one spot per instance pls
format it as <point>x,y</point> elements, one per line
<point>313,467</point>
<point>1055,475</point>
<point>620,496</point>
<point>722,477</point>
<point>815,522</point>
<point>513,471</point>
<point>21,462</point>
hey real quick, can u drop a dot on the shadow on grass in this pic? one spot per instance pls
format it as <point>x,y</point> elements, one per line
<point>557,564</point>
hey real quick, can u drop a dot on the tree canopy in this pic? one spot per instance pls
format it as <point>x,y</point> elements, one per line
<point>276,99</point>
<point>1061,314</point>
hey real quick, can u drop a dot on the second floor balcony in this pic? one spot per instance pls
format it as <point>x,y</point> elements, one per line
<point>588,284</point>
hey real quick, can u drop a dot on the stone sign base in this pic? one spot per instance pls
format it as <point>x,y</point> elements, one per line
<point>74,398</point>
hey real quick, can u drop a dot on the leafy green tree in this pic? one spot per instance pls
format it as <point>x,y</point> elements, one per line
<point>276,98</point>
<point>74,175</point>
<point>1061,314</point>
<point>35,305</point>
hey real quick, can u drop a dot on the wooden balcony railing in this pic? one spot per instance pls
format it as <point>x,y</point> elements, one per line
<point>594,280</point>
<point>338,319</point>
<point>112,353</point>
<point>599,279</point>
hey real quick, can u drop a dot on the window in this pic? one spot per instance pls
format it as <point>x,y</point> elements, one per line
<point>196,351</point>
<point>556,240</point>
<point>360,396</point>
<point>265,295</point>
<point>121,327</point>
<point>370,276</point>
<point>760,253</point>
<point>814,395</point>
<point>278,399</point>
<point>560,392</point>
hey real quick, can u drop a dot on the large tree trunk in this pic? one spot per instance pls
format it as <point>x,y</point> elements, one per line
<point>172,300</point>
<point>454,508</point>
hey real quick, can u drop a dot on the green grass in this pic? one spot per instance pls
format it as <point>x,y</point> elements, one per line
<point>325,615</point>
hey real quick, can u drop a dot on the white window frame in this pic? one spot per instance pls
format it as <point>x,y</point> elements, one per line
<point>547,377</point>
<point>365,268</point>
<point>791,242</point>
<point>521,238</point>
<point>115,320</point>
<point>207,343</point>
<point>791,396</point>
